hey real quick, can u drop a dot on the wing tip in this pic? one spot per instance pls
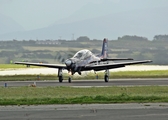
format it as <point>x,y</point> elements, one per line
<point>148,61</point>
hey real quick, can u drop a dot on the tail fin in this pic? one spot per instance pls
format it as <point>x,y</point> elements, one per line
<point>104,53</point>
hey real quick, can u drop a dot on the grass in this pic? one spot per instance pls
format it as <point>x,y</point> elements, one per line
<point>13,66</point>
<point>27,77</point>
<point>70,95</point>
<point>141,74</point>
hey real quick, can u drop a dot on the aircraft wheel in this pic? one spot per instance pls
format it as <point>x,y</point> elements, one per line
<point>106,79</point>
<point>60,79</point>
<point>69,79</point>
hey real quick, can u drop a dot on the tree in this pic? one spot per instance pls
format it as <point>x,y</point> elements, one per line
<point>160,37</point>
<point>83,38</point>
<point>137,38</point>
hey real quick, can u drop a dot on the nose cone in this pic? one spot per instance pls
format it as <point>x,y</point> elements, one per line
<point>68,62</point>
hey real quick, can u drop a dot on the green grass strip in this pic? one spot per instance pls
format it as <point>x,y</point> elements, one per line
<point>70,95</point>
<point>14,66</point>
<point>28,77</point>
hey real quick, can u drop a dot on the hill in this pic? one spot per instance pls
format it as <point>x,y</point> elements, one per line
<point>8,25</point>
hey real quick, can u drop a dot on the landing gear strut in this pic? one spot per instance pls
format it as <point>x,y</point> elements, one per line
<point>69,79</point>
<point>60,76</point>
<point>106,78</point>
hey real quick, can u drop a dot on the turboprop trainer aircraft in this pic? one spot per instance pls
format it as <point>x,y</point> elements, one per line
<point>85,60</point>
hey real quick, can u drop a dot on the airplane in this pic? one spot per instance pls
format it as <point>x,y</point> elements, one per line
<point>85,60</point>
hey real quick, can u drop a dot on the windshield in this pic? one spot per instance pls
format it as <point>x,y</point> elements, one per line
<point>82,54</point>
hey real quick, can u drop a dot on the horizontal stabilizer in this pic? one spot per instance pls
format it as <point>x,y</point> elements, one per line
<point>112,59</point>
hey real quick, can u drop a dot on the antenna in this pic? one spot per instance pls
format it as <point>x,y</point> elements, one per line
<point>60,37</point>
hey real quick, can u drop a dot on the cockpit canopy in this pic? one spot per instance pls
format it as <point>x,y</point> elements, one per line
<point>82,54</point>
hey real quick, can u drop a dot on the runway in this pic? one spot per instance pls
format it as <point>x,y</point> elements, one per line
<point>133,111</point>
<point>90,83</point>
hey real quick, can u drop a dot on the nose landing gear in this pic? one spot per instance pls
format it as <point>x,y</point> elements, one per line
<point>60,76</point>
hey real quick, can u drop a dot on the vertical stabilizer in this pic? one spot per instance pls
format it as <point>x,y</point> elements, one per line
<point>104,53</point>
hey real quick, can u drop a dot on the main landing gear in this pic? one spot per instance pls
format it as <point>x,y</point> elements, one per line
<point>69,79</point>
<point>60,76</point>
<point>60,79</point>
<point>106,76</point>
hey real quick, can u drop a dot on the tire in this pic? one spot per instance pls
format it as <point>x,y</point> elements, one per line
<point>106,79</point>
<point>69,79</point>
<point>60,79</point>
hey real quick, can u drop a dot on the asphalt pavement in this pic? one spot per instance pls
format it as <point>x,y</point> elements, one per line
<point>90,83</point>
<point>133,111</point>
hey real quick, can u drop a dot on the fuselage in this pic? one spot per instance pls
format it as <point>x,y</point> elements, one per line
<point>80,60</point>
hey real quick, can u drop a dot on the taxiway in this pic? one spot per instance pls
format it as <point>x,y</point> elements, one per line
<point>91,83</point>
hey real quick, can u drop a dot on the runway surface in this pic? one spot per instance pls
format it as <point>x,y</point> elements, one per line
<point>89,83</point>
<point>133,111</point>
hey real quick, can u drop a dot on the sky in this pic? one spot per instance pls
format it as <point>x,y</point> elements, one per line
<point>35,14</point>
<point>32,14</point>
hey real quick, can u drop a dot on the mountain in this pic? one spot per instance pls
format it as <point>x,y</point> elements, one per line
<point>8,25</point>
<point>106,7</point>
<point>145,22</point>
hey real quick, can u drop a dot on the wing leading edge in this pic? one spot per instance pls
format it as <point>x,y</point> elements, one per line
<point>113,65</point>
<point>43,65</point>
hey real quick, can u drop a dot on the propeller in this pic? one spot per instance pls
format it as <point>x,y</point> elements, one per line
<point>72,66</point>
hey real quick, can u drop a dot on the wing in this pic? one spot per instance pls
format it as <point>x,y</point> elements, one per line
<point>115,59</point>
<point>43,65</point>
<point>113,65</point>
